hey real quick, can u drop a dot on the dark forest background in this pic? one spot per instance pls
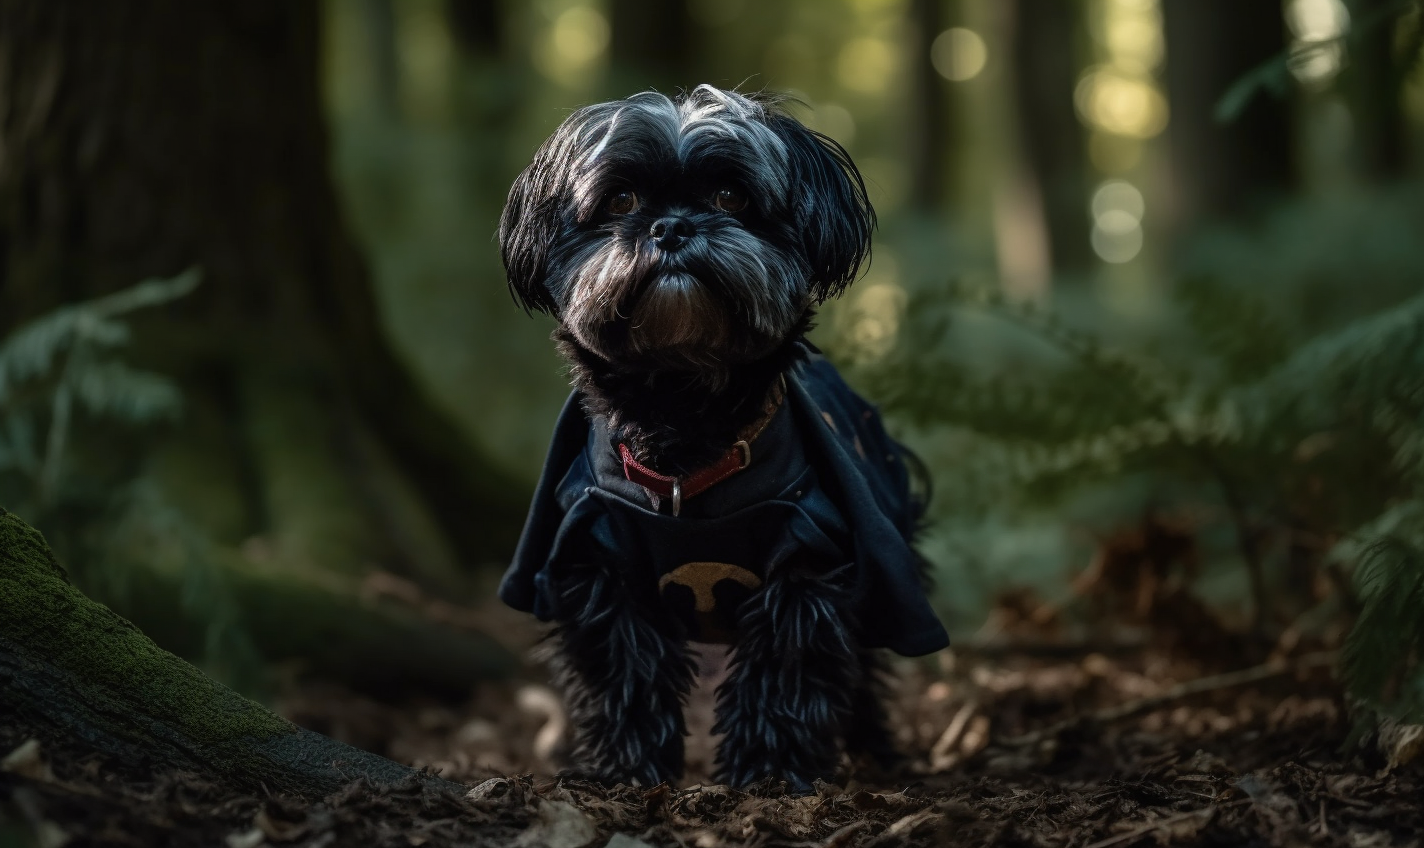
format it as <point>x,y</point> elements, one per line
<point>1145,295</point>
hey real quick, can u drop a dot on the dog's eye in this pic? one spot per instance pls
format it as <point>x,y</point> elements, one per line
<point>622,203</point>
<point>729,200</point>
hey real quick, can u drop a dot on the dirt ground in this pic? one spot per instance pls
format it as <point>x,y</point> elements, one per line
<point>1011,747</point>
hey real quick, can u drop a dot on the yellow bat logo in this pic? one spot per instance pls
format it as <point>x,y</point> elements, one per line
<point>714,622</point>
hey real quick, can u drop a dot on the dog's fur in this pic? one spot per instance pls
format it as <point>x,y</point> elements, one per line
<point>677,341</point>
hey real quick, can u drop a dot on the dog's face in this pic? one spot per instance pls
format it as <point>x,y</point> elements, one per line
<point>688,234</point>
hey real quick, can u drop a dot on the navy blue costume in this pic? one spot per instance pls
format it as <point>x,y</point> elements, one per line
<point>826,487</point>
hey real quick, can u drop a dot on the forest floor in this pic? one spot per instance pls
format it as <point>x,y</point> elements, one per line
<point>1018,745</point>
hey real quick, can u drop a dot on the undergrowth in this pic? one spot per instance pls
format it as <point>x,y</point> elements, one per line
<point>75,419</point>
<point>1307,446</point>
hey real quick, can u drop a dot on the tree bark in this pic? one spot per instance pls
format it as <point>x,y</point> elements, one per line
<point>1046,70</point>
<point>72,667</point>
<point>931,139</point>
<point>1221,170</point>
<point>144,137</point>
<point>1373,83</point>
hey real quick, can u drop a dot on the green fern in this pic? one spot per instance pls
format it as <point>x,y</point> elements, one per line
<point>1295,440</point>
<point>1383,657</point>
<point>58,362</point>
<point>66,363</point>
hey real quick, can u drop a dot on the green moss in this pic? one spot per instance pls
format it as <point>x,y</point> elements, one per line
<point>52,620</point>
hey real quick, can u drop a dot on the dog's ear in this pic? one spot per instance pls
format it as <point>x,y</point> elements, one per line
<point>527,227</point>
<point>832,211</point>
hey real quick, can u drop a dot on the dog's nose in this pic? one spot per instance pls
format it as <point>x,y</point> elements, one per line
<point>671,233</point>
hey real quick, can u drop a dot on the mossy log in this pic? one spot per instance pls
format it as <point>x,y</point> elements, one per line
<point>75,668</point>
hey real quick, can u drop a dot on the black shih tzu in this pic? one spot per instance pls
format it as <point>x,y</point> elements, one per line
<point>712,478</point>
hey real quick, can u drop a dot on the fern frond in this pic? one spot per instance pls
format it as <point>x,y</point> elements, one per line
<point>1370,359</point>
<point>1237,329</point>
<point>31,350</point>
<point>113,389</point>
<point>1382,660</point>
<point>148,293</point>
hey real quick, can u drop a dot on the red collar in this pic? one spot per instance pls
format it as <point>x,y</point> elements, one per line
<point>737,457</point>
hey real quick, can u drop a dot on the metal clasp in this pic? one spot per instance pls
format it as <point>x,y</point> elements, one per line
<point>676,497</point>
<point>746,450</point>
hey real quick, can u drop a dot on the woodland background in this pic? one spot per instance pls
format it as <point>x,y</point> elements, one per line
<point>1146,295</point>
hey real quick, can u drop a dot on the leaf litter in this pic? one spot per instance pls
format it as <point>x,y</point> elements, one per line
<point>1135,747</point>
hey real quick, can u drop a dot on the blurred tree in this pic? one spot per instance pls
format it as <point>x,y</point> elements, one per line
<point>932,141</point>
<point>653,46</point>
<point>1372,80</point>
<point>380,25</point>
<point>488,87</point>
<point>142,138</point>
<point>1046,68</point>
<point>476,25</point>
<point>1221,169</point>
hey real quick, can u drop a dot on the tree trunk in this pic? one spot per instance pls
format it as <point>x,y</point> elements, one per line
<point>144,137</point>
<point>75,669</point>
<point>1220,170</point>
<point>1046,68</point>
<point>652,46</point>
<point>1373,83</point>
<point>931,137</point>
<point>379,18</point>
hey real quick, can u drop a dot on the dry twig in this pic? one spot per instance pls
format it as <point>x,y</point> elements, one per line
<point>1147,828</point>
<point>1211,683</point>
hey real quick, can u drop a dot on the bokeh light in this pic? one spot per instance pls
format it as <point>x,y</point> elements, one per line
<point>1121,103</point>
<point>878,309</point>
<point>959,54</point>
<point>1129,33</point>
<point>1135,39</point>
<point>1118,196</point>
<point>1317,52</point>
<point>574,45</point>
<point>1317,20</point>
<point>869,318</point>
<point>867,65</point>
<point>1117,208</point>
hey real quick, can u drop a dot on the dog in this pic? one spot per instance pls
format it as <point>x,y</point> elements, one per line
<point>711,477</point>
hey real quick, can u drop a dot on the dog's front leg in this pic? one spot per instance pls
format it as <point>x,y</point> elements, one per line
<point>787,699</point>
<point>624,679</point>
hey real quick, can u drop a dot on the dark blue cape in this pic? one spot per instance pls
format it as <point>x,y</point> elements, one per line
<point>826,486</point>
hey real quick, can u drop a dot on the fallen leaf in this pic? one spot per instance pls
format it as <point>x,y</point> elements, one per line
<point>499,790</point>
<point>27,760</point>
<point>246,838</point>
<point>1400,743</point>
<point>278,830</point>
